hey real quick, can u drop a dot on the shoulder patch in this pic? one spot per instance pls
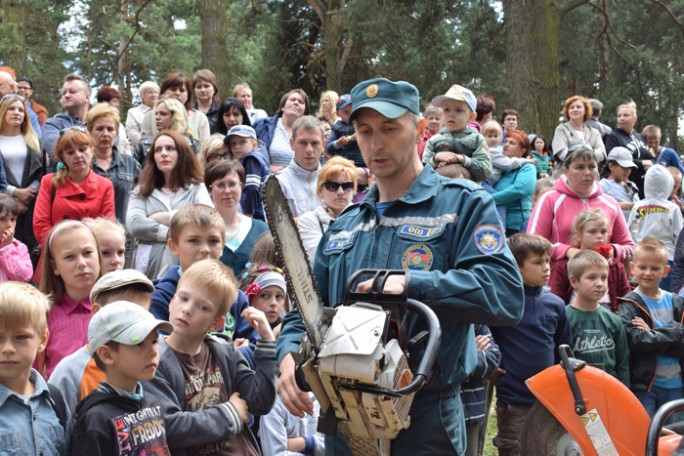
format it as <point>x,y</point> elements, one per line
<point>488,238</point>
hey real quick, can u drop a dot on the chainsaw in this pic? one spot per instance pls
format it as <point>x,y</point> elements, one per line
<point>354,357</point>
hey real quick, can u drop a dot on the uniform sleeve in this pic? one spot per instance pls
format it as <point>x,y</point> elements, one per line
<point>483,285</point>
<point>15,262</point>
<point>42,212</point>
<point>522,186</point>
<point>480,163</point>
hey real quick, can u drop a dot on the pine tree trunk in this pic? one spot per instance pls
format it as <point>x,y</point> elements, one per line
<point>214,20</point>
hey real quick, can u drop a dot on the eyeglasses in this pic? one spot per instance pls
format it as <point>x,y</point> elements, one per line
<point>223,156</point>
<point>333,186</point>
<point>220,186</point>
<point>23,88</point>
<point>79,128</point>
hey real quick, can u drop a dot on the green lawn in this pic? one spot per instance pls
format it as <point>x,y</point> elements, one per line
<point>489,449</point>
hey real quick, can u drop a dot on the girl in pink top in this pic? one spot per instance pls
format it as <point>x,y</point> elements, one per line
<point>71,266</point>
<point>577,190</point>
<point>15,262</point>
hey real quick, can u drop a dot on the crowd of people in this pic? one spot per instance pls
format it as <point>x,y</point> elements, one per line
<point>154,311</point>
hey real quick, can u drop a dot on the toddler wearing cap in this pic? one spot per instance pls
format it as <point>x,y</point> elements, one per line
<point>456,142</point>
<point>617,184</point>
<point>119,418</point>
<point>243,145</point>
<point>78,375</point>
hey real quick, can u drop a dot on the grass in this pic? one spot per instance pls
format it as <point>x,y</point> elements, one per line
<point>489,448</point>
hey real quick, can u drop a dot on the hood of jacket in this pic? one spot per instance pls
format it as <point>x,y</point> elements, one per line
<point>562,186</point>
<point>658,183</point>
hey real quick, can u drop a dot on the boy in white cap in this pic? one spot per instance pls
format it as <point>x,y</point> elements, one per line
<point>455,142</point>
<point>77,375</point>
<point>118,418</point>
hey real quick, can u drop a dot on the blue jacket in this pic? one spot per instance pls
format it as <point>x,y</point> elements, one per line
<point>514,191</point>
<point>668,157</point>
<point>256,172</point>
<point>32,426</point>
<point>265,129</point>
<point>351,150</point>
<point>447,233</point>
<point>53,126</point>
<point>236,327</point>
<point>531,346</point>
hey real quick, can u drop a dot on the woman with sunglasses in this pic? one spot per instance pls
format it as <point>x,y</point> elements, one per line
<point>170,180</point>
<point>22,164</point>
<point>336,187</point>
<point>225,180</point>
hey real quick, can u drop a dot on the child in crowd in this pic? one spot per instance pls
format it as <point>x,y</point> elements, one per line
<point>456,142</point>
<point>617,184</point>
<point>205,374</point>
<point>282,433</point>
<point>473,391</point>
<point>532,345</point>
<point>542,186</point>
<point>266,290</point>
<point>599,336</point>
<point>15,261</point>
<point>197,232</point>
<point>433,119</point>
<point>77,375</point>
<point>28,419</point>
<point>677,189</point>
<point>590,232</point>
<point>264,252</point>
<point>71,266</point>
<point>119,417</point>
<point>655,215</point>
<point>501,163</point>
<point>111,238</point>
<point>540,154</point>
<point>342,139</point>
<point>652,318</point>
<point>243,145</point>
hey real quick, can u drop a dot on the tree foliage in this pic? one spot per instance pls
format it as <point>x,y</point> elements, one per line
<point>528,54</point>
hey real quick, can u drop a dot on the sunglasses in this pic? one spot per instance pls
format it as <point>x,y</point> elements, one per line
<point>79,128</point>
<point>334,186</point>
<point>223,156</point>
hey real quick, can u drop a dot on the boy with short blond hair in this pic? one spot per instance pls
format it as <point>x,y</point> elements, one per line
<point>202,379</point>
<point>120,417</point>
<point>456,142</point>
<point>77,375</point>
<point>598,334</point>
<point>532,345</point>
<point>652,318</point>
<point>27,413</point>
<point>197,232</point>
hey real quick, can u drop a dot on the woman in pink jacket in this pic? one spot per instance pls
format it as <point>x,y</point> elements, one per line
<point>575,191</point>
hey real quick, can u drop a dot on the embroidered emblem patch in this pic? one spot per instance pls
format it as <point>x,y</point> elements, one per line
<point>338,244</point>
<point>372,91</point>
<point>421,231</point>
<point>417,257</point>
<point>488,238</point>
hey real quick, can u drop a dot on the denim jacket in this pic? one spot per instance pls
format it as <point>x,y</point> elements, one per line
<point>124,172</point>
<point>30,426</point>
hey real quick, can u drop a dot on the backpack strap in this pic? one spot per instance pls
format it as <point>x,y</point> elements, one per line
<point>58,404</point>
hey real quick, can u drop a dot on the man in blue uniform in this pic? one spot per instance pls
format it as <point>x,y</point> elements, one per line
<point>445,231</point>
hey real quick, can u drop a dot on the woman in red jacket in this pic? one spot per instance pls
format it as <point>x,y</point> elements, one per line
<point>74,192</point>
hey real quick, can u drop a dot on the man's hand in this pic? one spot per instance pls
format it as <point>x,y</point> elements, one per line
<point>395,284</point>
<point>448,157</point>
<point>296,401</point>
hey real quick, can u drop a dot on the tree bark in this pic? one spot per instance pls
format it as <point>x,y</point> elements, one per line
<point>12,29</point>
<point>532,31</point>
<point>337,41</point>
<point>215,27</point>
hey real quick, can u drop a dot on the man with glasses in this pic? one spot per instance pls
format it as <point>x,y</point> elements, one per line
<point>25,89</point>
<point>75,101</point>
<point>298,180</point>
<point>9,86</point>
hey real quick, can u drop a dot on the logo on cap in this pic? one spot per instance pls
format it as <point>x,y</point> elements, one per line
<point>372,91</point>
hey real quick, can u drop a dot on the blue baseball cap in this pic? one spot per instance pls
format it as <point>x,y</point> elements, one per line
<point>242,130</point>
<point>343,101</point>
<point>458,93</point>
<point>390,98</point>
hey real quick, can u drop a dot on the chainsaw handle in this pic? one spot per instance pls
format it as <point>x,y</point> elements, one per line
<point>376,295</point>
